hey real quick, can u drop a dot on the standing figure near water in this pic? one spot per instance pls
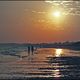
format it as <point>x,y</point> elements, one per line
<point>28,49</point>
<point>32,49</point>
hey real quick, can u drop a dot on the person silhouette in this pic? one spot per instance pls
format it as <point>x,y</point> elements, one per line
<point>28,49</point>
<point>32,49</point>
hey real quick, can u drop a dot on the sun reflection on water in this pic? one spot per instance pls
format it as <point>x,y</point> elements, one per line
<point>56,71</point>
<point>58,52</point>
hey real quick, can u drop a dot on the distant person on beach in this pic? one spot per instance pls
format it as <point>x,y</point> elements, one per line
<point>32,49</point>
<point>28,49</point>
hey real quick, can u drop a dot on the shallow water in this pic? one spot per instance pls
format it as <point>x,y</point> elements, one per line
<point>43,63</point>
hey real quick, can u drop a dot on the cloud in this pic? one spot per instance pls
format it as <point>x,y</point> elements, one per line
<point>69,7</point>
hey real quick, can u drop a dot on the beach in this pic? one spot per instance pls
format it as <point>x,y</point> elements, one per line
<point>43,64</point>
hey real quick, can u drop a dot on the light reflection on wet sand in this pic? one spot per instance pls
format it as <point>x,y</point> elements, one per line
<point>58,52</point>
<point>46,62</point>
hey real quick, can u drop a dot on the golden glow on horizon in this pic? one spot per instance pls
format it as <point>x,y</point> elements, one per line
<point>58,52</point>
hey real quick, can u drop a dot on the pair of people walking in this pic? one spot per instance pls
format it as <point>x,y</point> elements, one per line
<point>30,49</point>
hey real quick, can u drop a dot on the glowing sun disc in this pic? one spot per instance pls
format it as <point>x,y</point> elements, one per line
<point>56,14</point>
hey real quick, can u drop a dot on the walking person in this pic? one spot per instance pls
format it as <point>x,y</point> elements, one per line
<point>32,49</point>
<point>28,49</point>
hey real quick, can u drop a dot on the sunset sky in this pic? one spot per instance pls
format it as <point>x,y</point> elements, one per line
<point>39,21</point>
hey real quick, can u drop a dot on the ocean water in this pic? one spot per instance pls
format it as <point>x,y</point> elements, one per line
<point>44,63</point>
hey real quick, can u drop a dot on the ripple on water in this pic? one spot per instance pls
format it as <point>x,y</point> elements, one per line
<point>44,64</point>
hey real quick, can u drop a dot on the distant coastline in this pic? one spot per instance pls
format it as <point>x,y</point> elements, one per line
<point>65,45</point>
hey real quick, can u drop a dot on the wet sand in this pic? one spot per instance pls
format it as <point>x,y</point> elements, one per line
<point>44,64</point>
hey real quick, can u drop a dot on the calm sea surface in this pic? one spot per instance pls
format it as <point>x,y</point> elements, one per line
<point>47,63</point>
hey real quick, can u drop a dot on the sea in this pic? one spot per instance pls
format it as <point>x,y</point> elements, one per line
<point>43,64</point>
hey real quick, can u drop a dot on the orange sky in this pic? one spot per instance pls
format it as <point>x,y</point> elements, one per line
<point>31,21</point>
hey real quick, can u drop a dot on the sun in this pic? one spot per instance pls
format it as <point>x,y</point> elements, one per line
<point>56,14</point>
